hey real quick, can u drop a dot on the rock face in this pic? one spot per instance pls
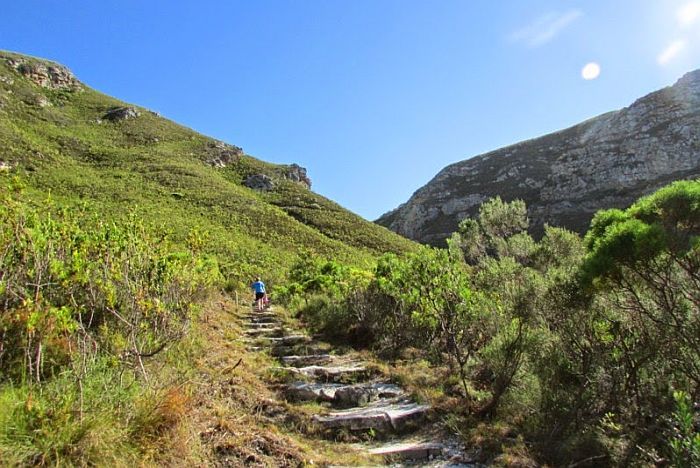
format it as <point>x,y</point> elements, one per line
<point>297,174</point>
<point>565,177</point>
<point>46,75</point>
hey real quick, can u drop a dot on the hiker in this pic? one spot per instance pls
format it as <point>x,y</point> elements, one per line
<point>259,289</point>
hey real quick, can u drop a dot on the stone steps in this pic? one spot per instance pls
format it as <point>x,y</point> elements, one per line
<point>335,373</point>
<point>410,450</point>
<point>344,384</point>
<point>264,332</point>
<point>307,360</point>
<point>263,325</point>
<point>262,318</point>
<point>301,349</point>
<point>340,395</point>
<point>384,416</point>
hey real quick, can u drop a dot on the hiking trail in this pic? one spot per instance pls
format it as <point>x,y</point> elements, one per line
<point>353,399</point>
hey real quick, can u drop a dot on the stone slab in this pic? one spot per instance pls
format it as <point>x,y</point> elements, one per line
<point>382,416</point>
<point>409,451</point>
<point>263,325</point>
<point>287,340</point>
<point>309,359</point>
<point>328,372</point>
<point>303,391</point>
<point>341,395</point>
<point>300,349</point>
<point>264,331</point>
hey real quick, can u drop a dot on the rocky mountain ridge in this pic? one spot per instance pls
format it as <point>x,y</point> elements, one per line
<point>566,176</point>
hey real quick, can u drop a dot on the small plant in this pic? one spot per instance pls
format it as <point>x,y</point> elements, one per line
<point>685,440</point>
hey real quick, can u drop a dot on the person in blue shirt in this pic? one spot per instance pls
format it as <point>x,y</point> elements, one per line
<point>259,289</point>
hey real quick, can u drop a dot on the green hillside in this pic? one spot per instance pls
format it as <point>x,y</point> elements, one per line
<point>126,241</point>
<point>55,133</point>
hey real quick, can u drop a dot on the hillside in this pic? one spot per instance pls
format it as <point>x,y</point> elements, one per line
<point>565,177</point>
<point>127,337</point>
<point>81,146</point>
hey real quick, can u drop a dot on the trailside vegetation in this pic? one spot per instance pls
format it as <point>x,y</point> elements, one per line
<point>86,303</point>
<point>588,349</point>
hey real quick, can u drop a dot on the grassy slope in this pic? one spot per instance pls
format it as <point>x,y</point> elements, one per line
<point>157,169</point>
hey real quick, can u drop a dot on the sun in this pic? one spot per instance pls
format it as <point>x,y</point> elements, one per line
<point>688,13</point>
<point>590,71</point>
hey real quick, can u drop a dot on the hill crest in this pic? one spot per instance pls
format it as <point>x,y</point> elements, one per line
<point>82,146</point>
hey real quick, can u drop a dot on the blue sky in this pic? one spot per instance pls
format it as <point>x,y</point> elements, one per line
<point>373,97</point>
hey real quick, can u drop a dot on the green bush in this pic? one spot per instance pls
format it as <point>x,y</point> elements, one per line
<point>73,284</point>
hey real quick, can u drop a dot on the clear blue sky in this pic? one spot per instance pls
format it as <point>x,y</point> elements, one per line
<point>374,97</point>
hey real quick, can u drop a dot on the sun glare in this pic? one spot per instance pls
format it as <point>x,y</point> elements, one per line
<point>688,13</point>
<point>590,71</point>
<point>670,52</point>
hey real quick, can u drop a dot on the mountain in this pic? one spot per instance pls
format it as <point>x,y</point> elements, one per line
<point>565,177</point>
<point>60,137</point>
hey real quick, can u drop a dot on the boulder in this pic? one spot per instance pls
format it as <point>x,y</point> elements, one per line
<point>355,395</point>
<point>260,182</point>
<point>117,114</point>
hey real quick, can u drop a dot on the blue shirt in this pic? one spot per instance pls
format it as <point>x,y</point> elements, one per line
<point>259,287</point>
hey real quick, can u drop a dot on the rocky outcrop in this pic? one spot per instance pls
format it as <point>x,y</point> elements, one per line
<point>222,154</point>
<point>565,177</point>
<point>259,182</point>
<point>117,114</point>
<point>296,173</point>
<point>45,74</point>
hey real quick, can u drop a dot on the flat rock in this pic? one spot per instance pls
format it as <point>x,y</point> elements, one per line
<point>307,360</point>
<point>299,349</point>
<point>264,332</point>
<point>381,415</point>
<point>410,451</point>
<point>287,340</point>
<point>341,395</point>
<point>263,325</point>
<point>302,391</point>
<point>328,373</point>
<point>259,315</point>
<point>264,319</point>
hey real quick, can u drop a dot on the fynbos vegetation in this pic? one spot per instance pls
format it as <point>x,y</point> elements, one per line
<point>579,345</point>
<point>85,303</point>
